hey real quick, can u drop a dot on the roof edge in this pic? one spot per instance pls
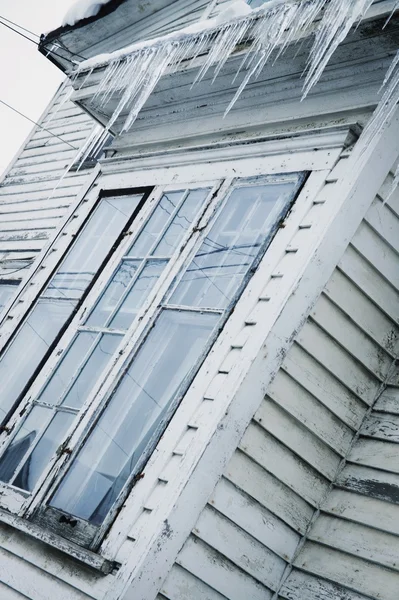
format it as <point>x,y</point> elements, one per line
<point>105,10</point>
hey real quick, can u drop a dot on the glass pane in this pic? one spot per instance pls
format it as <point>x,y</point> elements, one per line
<point>228,251</point>
<point>70,363</point>
<point>34,465</point>
<point>94,242</point>
<point>182,221</point>
<point>28,348</point>
<point>138,294</point>
<point>49,315</point>
<point>156,224</point>
<point>113,293</point>
<point>6,290</point>
<point>136,409</point>
<point>92,370</point>
<point>22,441</point>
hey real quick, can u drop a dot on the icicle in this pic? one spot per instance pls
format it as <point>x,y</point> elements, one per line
<point>384,110</point>
<point>391,15</point>
<point>132,73</point>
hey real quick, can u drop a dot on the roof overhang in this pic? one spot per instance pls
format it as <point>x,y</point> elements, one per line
<point>73,43</point>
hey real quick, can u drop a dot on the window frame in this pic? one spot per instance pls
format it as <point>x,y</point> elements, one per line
<point>27,505</point>
<point>14,499</point>
<point>134,341</point>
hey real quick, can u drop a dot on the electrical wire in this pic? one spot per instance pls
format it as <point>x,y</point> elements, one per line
<point>38,36</point>
<point>36,43</point>
<point>38,124</point>
<point>19,26</point>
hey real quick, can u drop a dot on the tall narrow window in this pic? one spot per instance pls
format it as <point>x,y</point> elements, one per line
<point>61,296</point>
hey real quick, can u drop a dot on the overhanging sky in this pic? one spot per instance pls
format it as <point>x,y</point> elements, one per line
<point>27,80</point>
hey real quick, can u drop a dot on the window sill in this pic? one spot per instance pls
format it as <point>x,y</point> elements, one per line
<point>93,560</point>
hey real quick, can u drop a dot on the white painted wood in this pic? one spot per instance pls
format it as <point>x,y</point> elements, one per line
<point>371,281</point>
<point>366,352</point>
<point>300,585</point>
<point>355,539</point>
<point>389,401</point>
<point>284,464</point>
<point>374,453</point>
<point>181,584</point>
<point>309,411</point>
<point>269,491</point>
<point>368,316</point>
<point>378,253</point>
<point>26,549</point>
<point>375,483</point>
<point>297,438</point>
<point>384,222</point>
<point>240,548</point>
<point>357,574</point>
<point>220,573</point>
<point>253,518</point>
<point>381,426</point>
<point>335,359</point>
<point>362,509</point>
<point>33,583</point>
<point>321,384</point>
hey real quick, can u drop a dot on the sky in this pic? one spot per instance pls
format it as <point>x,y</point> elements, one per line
<point>27,80</point>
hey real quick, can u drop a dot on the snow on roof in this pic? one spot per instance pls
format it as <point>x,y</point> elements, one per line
<point>83,9</point>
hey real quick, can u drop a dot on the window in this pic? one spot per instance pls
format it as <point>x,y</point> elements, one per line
<point>94,412</point>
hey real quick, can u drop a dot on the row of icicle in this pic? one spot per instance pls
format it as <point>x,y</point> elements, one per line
<point>132,74</point>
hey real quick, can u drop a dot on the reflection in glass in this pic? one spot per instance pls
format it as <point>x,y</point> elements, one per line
<point>113,293</point>
<point>170,352</point>
<point>95,241</point>
<point>228,251</point>
<point>29,347</point>
<point>94,366</point>
<point>138,294</point>
<point>156,224</point>
<point>32,468</point>
<point>22,441</point>
<point>65,370</point>
<point>182,221</point>
<point>52,310</point>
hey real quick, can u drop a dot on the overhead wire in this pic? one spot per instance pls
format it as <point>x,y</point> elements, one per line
<point>36,43</point>
<point>36,123</point>
<point>37,35</point>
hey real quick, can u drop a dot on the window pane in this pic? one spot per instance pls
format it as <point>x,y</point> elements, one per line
<point>166,359</point>
<point>182,221</point>
<point>49,315</point>
<point>67,367</point>
<point>95,241</point>
<point>92,370</point>
<point>29,347</point>
<point>22,441</point>
<point>156,224</point>
<point>138,294</point>
<point>113,293</point>
<point>228,251</point>
<point>34,465</point>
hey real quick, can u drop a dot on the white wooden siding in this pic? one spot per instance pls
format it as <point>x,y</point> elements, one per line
<point>34,195</point>
<point>315,479</point>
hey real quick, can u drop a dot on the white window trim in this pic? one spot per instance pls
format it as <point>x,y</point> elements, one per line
<point>320,162</point>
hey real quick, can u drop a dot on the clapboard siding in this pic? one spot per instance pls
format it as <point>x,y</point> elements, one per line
<point>315,479</point>
<point>37,185</point>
